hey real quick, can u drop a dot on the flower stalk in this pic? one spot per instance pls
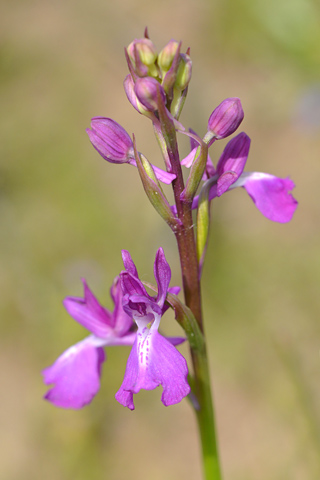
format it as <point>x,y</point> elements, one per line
<point>192,293</point>
<point>156,87</point>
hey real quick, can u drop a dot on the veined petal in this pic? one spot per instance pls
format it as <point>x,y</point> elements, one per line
<point>154,361</point>
<point>110,139</point>
<point>226,118</point>
<point>76,375</point>
<point>270,195</point>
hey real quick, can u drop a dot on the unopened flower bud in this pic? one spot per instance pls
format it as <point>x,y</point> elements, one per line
<point>147,90</point>
<point>132,97</point>
<point>143,55</point>
<point>225,119</point>
<point>184,72</point>
<point>166,56</point>
<point>110,140</point>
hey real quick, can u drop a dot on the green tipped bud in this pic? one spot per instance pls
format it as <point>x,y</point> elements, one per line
<point>166,56</point>
<point>184,72</point>
<point>143,56</point>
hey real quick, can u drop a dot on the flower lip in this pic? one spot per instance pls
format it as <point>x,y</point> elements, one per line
<point>154,361</point>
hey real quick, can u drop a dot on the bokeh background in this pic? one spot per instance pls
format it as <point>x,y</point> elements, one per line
<point>65,214</point>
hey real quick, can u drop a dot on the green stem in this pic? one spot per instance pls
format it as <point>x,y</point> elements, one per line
<point>205,417</point>
<point>192,293</point>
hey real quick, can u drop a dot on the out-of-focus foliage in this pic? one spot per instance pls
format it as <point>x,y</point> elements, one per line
<point>65,213</point>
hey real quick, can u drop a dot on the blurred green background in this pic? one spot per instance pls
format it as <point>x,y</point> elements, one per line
<point>65,214</point>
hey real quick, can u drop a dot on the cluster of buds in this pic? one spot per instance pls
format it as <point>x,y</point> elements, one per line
<point>157,86</point>
<point>156,78</point>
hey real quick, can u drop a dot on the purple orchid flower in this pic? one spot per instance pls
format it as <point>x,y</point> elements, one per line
<point>153,360</point>
<point>114,144</point>
<point>270,194</point>
<point>76,373</point>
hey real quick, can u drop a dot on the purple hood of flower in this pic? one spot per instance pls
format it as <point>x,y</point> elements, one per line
<point>136,300</point>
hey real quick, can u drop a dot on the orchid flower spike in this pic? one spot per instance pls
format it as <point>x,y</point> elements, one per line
<point>76,373</point>
<point>153,360</point>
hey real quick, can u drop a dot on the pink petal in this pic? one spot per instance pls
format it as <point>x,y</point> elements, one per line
<point>89,313</point>
<point>232,162</point>
<point>271,196</point>
<point>76,375</point>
